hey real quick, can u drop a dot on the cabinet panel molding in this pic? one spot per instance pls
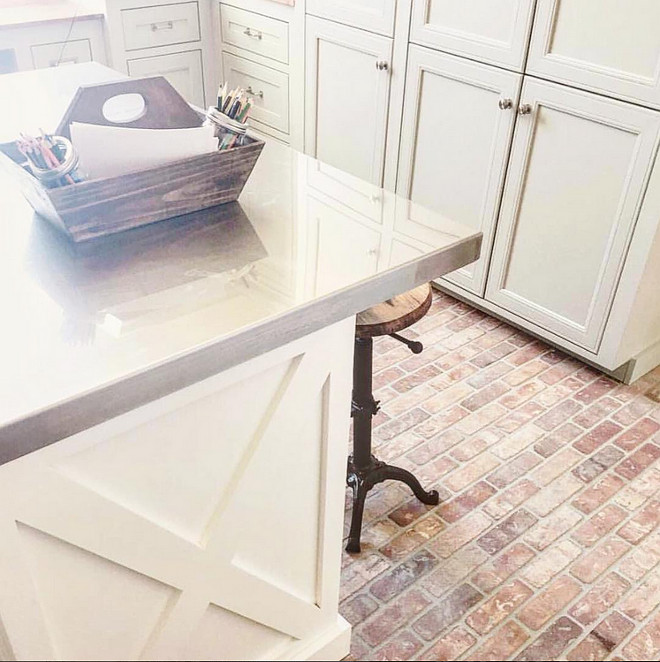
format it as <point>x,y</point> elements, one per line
<point>160,25</point>
<point>577,174</point>
<point>258,34</point>
<point>347,97</point>
<point>168,532</point>
<point>457,127</point>
<point>61,53</point>
<point>373,15</point>
<point>610,46</point>
<point>269,90</point>
<point>493,31</point>
<point>183,70</point>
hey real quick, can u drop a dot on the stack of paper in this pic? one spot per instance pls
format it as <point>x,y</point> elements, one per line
<point>109,151</point>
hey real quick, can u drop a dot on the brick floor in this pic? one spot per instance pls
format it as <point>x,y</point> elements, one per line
<point>546,544</point>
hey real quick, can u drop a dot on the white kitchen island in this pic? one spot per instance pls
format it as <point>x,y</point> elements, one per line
<point>174,412</point>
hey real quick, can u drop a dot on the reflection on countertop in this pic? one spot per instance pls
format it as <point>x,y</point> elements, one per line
<point>77,317</point>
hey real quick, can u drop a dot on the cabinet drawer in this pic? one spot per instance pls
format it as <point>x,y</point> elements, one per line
<point>59,53</point>
<point>147,27</point>
<point>183,71</point>
<point>254,32</point>
<point>269,88</point>
<point>372,15</point>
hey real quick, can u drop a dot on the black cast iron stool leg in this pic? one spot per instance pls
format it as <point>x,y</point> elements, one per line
<point>364,470</point>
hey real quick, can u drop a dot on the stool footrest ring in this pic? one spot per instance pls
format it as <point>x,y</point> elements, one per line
<point>414,346</point>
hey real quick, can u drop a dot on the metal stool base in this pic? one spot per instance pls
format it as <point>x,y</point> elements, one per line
<point>362,480</point>
<point>364,470</point>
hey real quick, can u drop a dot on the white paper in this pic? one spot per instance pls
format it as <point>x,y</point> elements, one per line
<point>109,151</point>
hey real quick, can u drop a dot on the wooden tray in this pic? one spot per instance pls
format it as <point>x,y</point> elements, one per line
<point>106,206</point>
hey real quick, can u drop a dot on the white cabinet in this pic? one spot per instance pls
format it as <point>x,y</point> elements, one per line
<point>610,46</point>
<point>334,230</point>
<point>163,25</point>
<point>577,175</point>
<point>457,125</point>
<point>346,97</point>
<point>182,70</point>
<point>58,54</point>
<point>494,31</point>
<point>260,44</point>
<point>52,43</point>
<point>258,34</point>
<point>155,535</point>
<point>372,15</point>
<point>268,90</point>
<point>172,38</point>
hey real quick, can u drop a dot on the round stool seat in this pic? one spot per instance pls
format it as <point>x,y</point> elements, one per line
<point>395,314</point>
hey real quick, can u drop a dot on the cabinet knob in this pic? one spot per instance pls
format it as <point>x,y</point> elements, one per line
<point>505,104</point>
<point>524,109</point>
<point>381,65</point>
<point>255,35</point>
<point>252,93</point>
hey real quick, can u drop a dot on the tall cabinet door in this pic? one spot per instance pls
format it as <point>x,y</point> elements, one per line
<point>457,126</point>
<point>494,31</point>
<point>577,173</point>
<point>346,97</point>
<point>610,46</point>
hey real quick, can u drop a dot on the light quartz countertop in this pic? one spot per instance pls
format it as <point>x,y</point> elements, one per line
<point>94,330</point>
<point>14,13</point>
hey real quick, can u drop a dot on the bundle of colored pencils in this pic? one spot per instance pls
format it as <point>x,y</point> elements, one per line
<point>46,153</point>
<point>235,104</point>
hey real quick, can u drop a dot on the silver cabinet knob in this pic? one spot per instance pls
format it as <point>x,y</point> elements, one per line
<point>381,65</point>
<point>252,93</point>
<point>255,35</point>
<point>505,104</point>
<point>524,109</point>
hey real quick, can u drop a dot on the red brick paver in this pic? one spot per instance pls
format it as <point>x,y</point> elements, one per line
<point>546,543</point>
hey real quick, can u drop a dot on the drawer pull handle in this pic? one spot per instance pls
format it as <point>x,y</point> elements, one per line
<point>165,25</point>
<point>252,93</point>
<point>524,109</point>
<point>505,104</point>
<point>255,35</point>
<point>59,63</point>
<point>381,65</point>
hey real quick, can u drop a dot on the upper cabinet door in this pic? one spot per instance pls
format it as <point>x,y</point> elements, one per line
<point>577,173</point>
<point>346,98</point>
<point>493,31</point>
<point>372,15</point>
<point>457,126</point>
<point>610,46</point>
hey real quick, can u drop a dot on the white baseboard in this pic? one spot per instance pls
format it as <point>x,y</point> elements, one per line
<point>643,362</point>
<point>332,644</point>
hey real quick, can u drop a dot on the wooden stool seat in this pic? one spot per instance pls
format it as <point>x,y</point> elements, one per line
<point>395,314</point>
<point>364,470</point>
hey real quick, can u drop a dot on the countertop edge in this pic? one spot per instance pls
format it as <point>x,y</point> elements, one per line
<point>48,426</point>
<point>32,22</point>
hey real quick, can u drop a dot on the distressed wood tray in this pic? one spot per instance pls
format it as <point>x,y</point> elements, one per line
<point>105,206</point>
